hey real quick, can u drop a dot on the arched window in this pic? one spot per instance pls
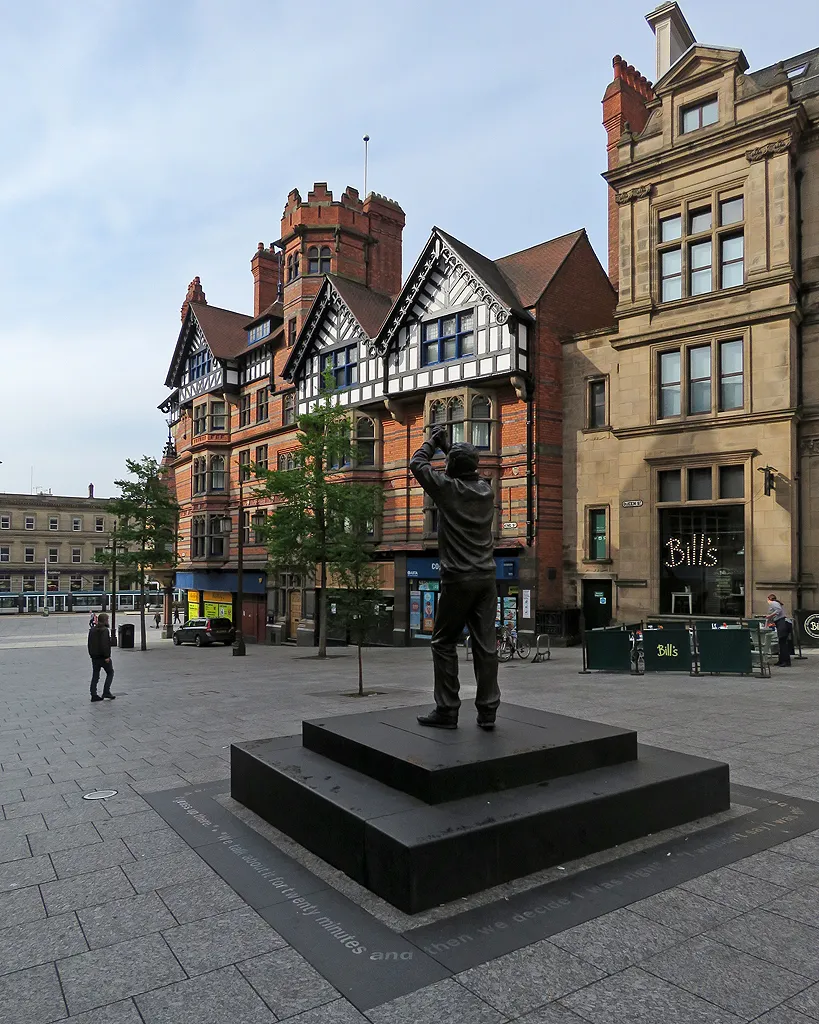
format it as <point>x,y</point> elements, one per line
<point>313,260</point>
<point>198,533</point>
<point>288,409</point>
<point>217,473</point>
<point>481,425</point>
<point>286,461</point>
<point>365,441</point>
<point>437,412</point>
<point>290,267</point>
<point>456,419</point>
<point>295,264</point>
<point>200,476</point>
<point>324,266</point>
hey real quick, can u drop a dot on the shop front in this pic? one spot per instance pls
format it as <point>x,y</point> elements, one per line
<point>424,591</point>
<point>702,561</point>
<point>213,595</point>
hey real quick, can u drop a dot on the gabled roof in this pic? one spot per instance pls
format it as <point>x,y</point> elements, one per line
<point>365,306</point>
<point>487,271</point>
<point>706,56</point>
<point>530,271</point>
<point>275,311</point>
<point>224,331</point>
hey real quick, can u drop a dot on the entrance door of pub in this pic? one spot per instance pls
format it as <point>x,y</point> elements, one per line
<point>293,614</point>
<point>596,603</point>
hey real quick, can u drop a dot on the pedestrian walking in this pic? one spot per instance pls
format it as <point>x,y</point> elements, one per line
<point>776,617</point>
<point>99,650</point>
<point>92,621</point>
<point>176,618</point>
<point>157,620</point>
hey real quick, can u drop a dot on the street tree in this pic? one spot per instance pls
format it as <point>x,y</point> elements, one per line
<point>353,575</point>
<point>313,498</point>
<point>146,512</point>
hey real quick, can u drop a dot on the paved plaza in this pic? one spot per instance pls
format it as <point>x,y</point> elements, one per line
<point>110,916</point>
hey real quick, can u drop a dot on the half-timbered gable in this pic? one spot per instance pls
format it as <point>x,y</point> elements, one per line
<point>207,352</point>
<point>338,336</point>
<point>456,319</point>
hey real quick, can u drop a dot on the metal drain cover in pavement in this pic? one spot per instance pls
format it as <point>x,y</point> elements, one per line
<point>100,794</point>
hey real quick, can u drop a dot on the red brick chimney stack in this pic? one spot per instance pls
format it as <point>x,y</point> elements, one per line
<point>265,269</point>
<point>625,102</point>
<point>386,225</point>
<point>195,294</point>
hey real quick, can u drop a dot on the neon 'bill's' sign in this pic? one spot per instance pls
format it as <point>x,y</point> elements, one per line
<point>699,550</point>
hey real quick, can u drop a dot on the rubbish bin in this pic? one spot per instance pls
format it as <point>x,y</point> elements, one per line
<point>126,634</point>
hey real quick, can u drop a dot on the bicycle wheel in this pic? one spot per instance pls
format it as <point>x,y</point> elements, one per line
<point>505,650</point>
<point>523,649</point>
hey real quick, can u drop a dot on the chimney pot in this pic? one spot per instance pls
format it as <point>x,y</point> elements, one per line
<point>90,490</point>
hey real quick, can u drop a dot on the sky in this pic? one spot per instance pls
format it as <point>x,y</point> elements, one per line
<point>145,142</point>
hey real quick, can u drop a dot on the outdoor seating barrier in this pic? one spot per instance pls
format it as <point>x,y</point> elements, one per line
<point>668,650</point>
<point>607,650</point>
<point>542,653</point>
<point>727,649</point>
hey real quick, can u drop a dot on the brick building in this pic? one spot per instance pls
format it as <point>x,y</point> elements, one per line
<point>467,342</point>
<point>692,426</point>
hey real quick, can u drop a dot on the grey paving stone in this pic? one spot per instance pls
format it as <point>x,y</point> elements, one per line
<point>287,982</point>
<point>32,996</point>
<point>799,905</point>
<point>9,794</point>
<point>684,911</point>
<point>11,778</point>
<point>529,977</point>
<point>126,969</point>
<point>554,1013</point>
<point>783,1015</point>
<point>156,844</point>
<point>21,905</point>
<point>225,939</point>
<point>126,804</point>
<point>22,826</point>
<point>19,873</point>
<point>38,942</point>
<point>39,806</point>
<point>807,1002</point>
<point>339,1012</point>
<point>803,847</point>
<point>123,919</point>
<point>41,787</point>
<point>84,776</point>
<point>634,997</point>
<point>85,890</point>
<point>734,889</point>
<point>13,848</point>
<point>445,1001</point>
<point>57,839</point>
<point>158,872</point>
<point>158,784</point>
<point>114,1013</point>
<point>91,858</point>
<point>130,825</point>
<point>215,998</point>
<point>787,943</point>
<point>777,867</point>
<point>743,984</point>
<point>89,811</point>
<point>203,898</point>
<point>616,940</point>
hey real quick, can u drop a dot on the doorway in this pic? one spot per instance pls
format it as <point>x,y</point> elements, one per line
<point>293,614</point>
<point>596,603</point>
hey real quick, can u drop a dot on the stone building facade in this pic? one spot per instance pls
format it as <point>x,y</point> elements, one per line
<point>692,426</point>
<point>49,534</point>
<point>466,342</point>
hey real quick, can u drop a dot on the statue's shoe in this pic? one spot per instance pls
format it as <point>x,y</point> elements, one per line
<point>439,720</point>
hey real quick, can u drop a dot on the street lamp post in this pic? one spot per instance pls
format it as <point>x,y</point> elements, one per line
<point>114,585</point>
<point>239,650</point>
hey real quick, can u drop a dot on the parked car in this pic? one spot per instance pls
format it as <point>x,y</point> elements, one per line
<point>205,631</point>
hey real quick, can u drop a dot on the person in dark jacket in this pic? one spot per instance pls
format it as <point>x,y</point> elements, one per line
<point>99,649</point>
<point>466,508</point>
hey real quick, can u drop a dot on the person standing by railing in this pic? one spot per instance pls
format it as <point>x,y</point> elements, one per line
<point>777,618</point>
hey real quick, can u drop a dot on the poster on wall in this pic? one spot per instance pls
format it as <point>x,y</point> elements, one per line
<point>193,607</point>
<point>415,611</point>
<point>510,612</point>
<point>527,604</point>
<point>429,610</point>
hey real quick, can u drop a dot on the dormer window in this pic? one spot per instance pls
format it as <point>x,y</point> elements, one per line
<point>700,115</point>
<point>797,71</point>
<point>258,332</point>
<point>318,259</point>
<point>199,364</point>
<point>450,337</point>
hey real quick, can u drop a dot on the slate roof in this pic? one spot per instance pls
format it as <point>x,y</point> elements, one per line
<point>803,85</point>
<point>369,307</point>
<point>530,271</point>
<point>487,271</point>
<point>225,331</point>
<point>275,311</point>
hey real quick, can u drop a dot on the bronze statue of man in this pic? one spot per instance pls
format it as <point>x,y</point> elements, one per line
<point>466,508</point>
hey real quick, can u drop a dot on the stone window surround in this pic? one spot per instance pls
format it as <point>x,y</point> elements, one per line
<point>466,395</point>
<point>684,208</point>
<point>587,511</point>
<point>682,346</point>
<point>202,471</point>
<point>587,385</point>
<point>714,463</point>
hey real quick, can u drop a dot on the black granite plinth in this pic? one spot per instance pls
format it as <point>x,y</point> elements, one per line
<point>417,853</point>
<point>438,765</point>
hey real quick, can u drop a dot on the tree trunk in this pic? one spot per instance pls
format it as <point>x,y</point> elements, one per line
<point>143,643</point>
<point>360,673</point>
<point>322,650</point>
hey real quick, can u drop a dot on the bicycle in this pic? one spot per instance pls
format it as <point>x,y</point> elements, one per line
<point>509,644</point>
